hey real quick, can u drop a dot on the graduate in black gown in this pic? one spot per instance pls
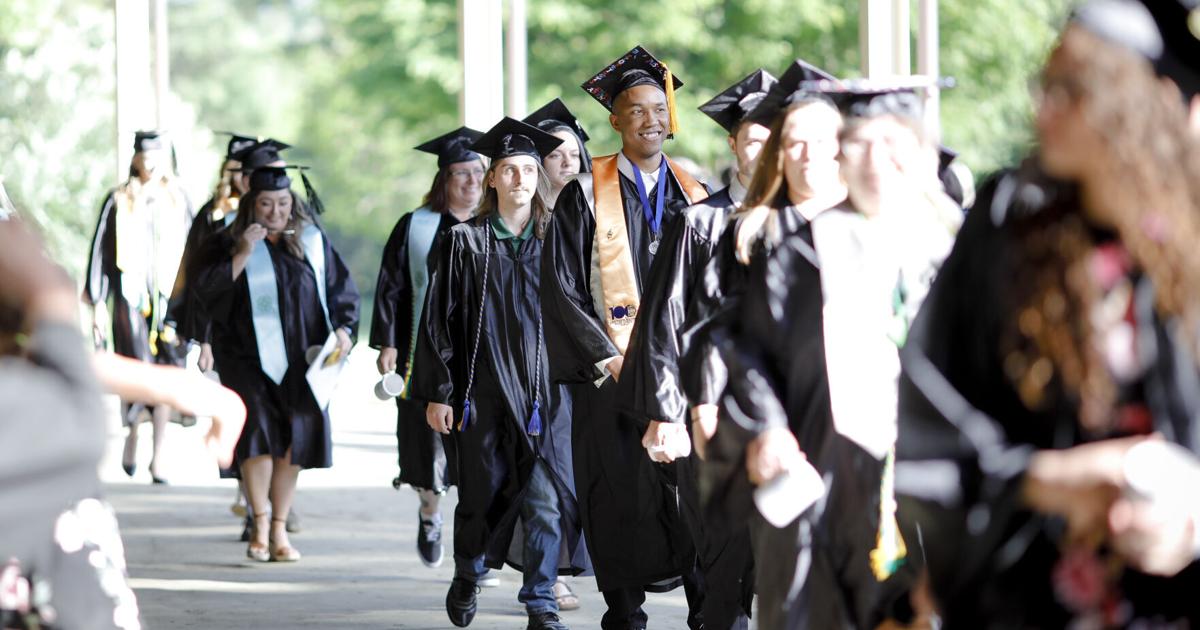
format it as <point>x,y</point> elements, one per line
<point>275,286</point>
<point>650,385</point>
<point>425,462</point>
<point>813,365</point>
<point>607,226</point>
<point>482,350</point>
<point>562,165</point>
<point>134,259</point>
<point>1059,335</point>
<point>569,158</point>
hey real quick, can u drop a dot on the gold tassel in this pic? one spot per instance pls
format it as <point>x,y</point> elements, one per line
<point>674,124</point>
<point>890,551</point>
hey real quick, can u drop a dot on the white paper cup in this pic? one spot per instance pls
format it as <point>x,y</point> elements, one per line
<point>784,498</point>
<point>390,386</point>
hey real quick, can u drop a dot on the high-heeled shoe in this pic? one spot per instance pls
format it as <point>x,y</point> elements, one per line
<point>255,550</point>
<point>129,468</point>
<point>283,553</point>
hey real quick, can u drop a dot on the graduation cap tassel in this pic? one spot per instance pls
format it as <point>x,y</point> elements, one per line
<point>535,419</point>
<point>314,201</point>
<point>674,124</point>
<point>466,419</point>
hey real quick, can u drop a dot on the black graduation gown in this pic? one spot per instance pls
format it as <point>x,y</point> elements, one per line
<point>496,454</point>
<point>815,572</point>
<point>651,390</point>
<point>130,329</point>
<point>424,458</point>
<point>630,505</point>
<point>965,439</point>
<point>186,309</point>
<point>284,415</point>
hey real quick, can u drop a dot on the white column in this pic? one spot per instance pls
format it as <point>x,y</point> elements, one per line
<point>133,91</point>
<point>901,38</point>
<point>875,37</point>
<point>516,55</point>
<point>481,52</point>
<point>927,60</point>
<point>162,65</point>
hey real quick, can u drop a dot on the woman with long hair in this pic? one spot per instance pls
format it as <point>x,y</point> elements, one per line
<point>425,463</point>
<point>567,159</point>
<point>275,287</point>
<point>482,350</point>
<point>1051,387</point>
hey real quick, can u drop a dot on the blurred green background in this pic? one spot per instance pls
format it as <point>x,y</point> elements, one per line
<point>355,84</point>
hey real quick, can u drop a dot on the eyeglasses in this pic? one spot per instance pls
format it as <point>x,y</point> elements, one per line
<point>474,173</point>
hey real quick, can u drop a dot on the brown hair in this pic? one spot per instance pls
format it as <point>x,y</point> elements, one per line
<point>225,194</point>
<point>767,193</point>
<point>301,218</point>
<point>438,198</point>
<point>489,203</point>
<point>1149,173</point>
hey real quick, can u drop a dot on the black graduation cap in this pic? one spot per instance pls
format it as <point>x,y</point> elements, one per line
<point>511,137</point>
<point>270,178</point>
<point>553,115</point>
<point>238,142</point>
<point>730,107</point>
<point>946,155</point>
<point>260,154</point>
<point>787,89</point>
<point>148,140</point>
<point>866,98</point>
<point>634,68</point>
<point>453,147</point>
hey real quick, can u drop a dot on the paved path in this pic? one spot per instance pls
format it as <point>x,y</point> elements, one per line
<point>360,568</point>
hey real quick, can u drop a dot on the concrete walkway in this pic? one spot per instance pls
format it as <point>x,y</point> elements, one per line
<point>360,568</point>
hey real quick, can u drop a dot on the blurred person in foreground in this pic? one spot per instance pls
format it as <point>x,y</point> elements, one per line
<point>63,560</point>
<point>1050,399</point>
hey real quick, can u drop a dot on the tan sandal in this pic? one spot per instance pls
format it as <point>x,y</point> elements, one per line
<point>255,550</point>
<point>567,599</point>
<point>284,553</point>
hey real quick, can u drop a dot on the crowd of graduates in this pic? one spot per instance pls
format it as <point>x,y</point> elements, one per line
<point>838,389</point>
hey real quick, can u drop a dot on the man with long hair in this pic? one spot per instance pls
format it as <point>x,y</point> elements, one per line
<point>482,350</point>
<point>607,229</point>
<point>399,299</point>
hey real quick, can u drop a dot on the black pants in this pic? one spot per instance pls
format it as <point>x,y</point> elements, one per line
<point>625,605</point>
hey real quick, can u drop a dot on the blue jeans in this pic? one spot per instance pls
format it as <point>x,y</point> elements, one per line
<point>543,540</point>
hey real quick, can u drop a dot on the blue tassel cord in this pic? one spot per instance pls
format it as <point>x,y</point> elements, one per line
<point>535,419</point>
<point>466,418</point>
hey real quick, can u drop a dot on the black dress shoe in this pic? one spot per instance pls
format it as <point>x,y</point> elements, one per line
<point>129,468</point>
<point>248,530</point>
<point>545,621</point>
<point>158,481</point>
<point>461,601</point>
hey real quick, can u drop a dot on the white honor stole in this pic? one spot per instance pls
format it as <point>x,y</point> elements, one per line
<point>264,299</point>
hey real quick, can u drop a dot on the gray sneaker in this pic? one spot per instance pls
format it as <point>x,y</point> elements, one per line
<point>429,540</point>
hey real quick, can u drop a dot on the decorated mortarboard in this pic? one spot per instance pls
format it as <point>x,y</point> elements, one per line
<point>1164,32</point>
<point>453,147</point>
<point>148,140</point>
<point>260,154</point>
<point>511,137</point>
<point>553,115</point>
<point>634,68</point>
<point>787,90</point>
<point>732,106</point>
<point>238,142</point>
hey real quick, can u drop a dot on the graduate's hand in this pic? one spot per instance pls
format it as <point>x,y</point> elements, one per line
<point>666,441</point>
<point>1155,538</point>
<point>614,367</point>
<point>439,417</point>
<point>387,360</point>
<point>772,453</point>
<point>343,342</point>
<point>253,234</point>
<point>205,362</point>
<point>704,425</point>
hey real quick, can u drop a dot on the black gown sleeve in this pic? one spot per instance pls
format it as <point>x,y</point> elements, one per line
<point>183,308</point>
<point>650,375</point>
<point>102,255</point>
<point>392,290</point>
<point>341,294</point>
<point>717,296</point>
<point>575,336</point>
<point>434,382</point>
